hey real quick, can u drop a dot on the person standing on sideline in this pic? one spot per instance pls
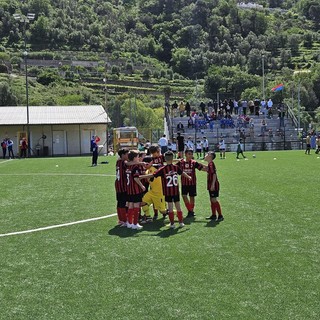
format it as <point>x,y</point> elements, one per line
<point>23,148</point>
<point>318,144</point>
<point>190,144</point>
<point>121,186</point>
<point>169,177</point>
<point>213,187</point>
<point>240,149</point>
<point>222,149</point>
<point>94,150</point>
<point>163,143</point>
<point>180,140</point>
<point>4,148</point>
<point>189,187</point>
<point>308,144</point>
<point>205,146</point>
<point>10,148</point>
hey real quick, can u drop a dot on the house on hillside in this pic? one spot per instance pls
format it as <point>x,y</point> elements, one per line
<point>55,130</point>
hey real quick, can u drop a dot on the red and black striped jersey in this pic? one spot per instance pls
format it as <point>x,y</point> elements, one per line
<point>169,177</point>
<point>158,160</point>
<point>121,178</point>
<point>189,167</point>
<point>211,171</point>
<point>133,171</point>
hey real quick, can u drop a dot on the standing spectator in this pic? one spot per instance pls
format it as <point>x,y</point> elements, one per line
<point>188,109</point>
<point>198,148</point>
<point>256,106</point>
<point>244,106</point>
<point>23,148</point>
<point>189,187</point>
<point>174,108</point>
<point>205,146</point>
<point>181,108</point>
<point>4,148</point>
<point>190,122</point>
<point>215,106</point>
<point>202,107</point>
<point>10,148</point>
<point>269,107</point>
<point>213,187</point>
<point>94,150</point>
<point>190,144</point>
<point>281,115</point>
<point>308,144</point>
<point>263,126</point>
<point>235,106</point>
<point>222,149</point>
<point>180,140</point>
<point>163,143</point>
<point>210,107</point>
<point>174,147</point>
<point>240,149</point>
<point>263,107</point>
<point>251,106</point>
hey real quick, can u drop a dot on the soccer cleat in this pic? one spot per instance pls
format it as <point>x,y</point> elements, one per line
<point>220,218</point>
<point>129,225</point>
<point>172,226</point>
<point>123,225</point>
<point>181,224</point>
<point>155,217</point>
<point>191,214</point>
<point>214,218</point>
<point>136,226</point>
<point>148,219</point>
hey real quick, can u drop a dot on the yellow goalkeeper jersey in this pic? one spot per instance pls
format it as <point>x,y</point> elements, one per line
<point>155,184</point>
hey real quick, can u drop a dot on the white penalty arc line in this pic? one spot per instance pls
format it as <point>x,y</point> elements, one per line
<point>57,226</point>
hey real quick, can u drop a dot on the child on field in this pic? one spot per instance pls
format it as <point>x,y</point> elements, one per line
<point>135,190</point>
<point>169,177</point>
<point>213,187</point>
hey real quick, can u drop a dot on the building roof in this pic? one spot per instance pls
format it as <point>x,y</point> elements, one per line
<point>17,115</point>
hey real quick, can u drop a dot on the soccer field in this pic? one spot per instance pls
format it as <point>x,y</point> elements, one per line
<point>261,262</point>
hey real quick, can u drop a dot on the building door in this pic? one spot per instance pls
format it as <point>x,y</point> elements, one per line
<point>58,143</point>
<point>86,136</point>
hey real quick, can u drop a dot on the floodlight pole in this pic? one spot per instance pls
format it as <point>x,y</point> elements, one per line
<point>105,106</point>
<point>263,80</point>
<point>26,19</point>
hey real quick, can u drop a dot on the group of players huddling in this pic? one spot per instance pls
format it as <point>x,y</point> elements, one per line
<point>142,181</point>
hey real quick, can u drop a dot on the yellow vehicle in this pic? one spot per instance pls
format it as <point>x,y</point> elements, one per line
<point>125,137</point>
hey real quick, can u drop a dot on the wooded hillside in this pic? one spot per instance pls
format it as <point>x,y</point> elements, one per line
<point>223,42</point>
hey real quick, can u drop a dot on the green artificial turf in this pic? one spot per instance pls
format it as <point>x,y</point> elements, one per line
<point>262,262</point>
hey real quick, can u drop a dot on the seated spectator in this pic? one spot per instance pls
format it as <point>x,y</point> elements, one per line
<point>180,127</point>
<point>190,122</point>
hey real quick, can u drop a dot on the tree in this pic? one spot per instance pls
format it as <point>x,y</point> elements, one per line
<point>7,98</point>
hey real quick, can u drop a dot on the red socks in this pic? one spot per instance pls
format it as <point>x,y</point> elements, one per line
<point>215,206</point>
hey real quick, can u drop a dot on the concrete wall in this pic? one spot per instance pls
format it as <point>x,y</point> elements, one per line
<point>61,140</point>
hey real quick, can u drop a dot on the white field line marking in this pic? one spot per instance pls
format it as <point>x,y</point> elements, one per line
<point>58,174</point>
<point>57,226</point>
<point>2,162</point>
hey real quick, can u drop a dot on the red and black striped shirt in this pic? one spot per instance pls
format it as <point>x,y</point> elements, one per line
<point>132,172</point>
<point>169,177</point>
<point>158,160</point>
<point>211,171</point>
<point>189,167</point>
<point>121,178</point>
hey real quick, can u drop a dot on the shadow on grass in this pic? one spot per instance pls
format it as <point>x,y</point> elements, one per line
<point>212,224</point>
<point>123,232</point>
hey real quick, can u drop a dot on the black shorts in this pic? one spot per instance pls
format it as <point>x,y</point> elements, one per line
<point>172,198</point>
<point>121,199</point>
<point>189,190</point>
<point>214,194</point>
<point>135,198</point>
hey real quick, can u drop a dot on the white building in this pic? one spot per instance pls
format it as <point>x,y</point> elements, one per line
<point>55,130</point>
